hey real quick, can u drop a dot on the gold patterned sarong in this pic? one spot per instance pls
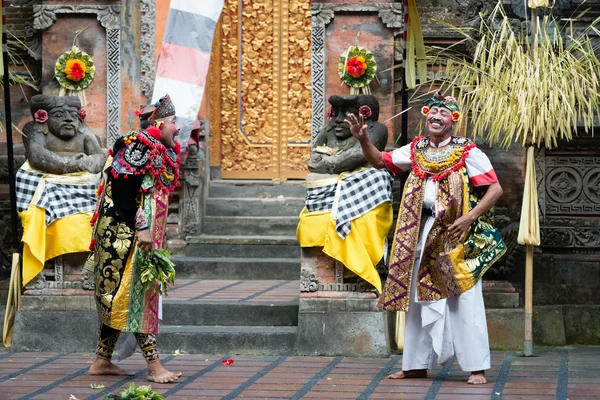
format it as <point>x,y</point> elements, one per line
<point>121,300</point>
<point>447,268</point>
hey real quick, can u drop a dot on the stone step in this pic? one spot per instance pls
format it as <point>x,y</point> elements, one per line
<point>245,340</point>
<point>242,226</point>
<point>250,207</point>
<point>501,300</point>
<point>237,268</point>
<point>242,246</point>
<point>256,189</point>
<point>230,313</point>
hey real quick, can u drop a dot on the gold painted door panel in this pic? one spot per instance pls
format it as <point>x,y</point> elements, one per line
<point>263,127</point>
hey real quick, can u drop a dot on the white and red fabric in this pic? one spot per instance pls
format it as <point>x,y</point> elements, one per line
<point>185,58</point>
<point>479,168</point>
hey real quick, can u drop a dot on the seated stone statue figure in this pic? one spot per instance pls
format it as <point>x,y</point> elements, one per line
<point>56,186</point>
<point>335,150</point>
<point>58,141</point>
<point>348,208</point>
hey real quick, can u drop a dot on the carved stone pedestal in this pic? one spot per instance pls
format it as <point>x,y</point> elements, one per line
<point>337,315</point>
<point>63,275</point>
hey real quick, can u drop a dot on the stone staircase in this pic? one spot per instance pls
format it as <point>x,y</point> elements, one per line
<point>248,237</point>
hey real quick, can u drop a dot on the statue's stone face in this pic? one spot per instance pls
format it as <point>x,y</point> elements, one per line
<point>63,121</point>
<point>337,125</point>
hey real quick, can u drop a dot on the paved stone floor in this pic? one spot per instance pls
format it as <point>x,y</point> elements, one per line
<point>562,373</point>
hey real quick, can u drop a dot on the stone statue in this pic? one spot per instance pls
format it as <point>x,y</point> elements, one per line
<point>335,150</point>
<point>58,140</point>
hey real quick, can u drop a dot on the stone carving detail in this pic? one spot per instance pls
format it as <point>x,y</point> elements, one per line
<point>318,58</point>
<point>569,186</point>
<point>345,150</point>
<point>147,46</point>
<point>570,233</point>
<point>37,283</point>
<point>113,93</point>
<point>572,185</point>
<point>109,17</point>
<point>194,177</point>
<point>63,143</point>
<point>391,15</point>
<point>308,280</point>
<point>45,15</point>
<point>88,280</point>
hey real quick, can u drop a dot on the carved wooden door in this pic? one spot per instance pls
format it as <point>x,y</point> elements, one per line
<point>261,107</point>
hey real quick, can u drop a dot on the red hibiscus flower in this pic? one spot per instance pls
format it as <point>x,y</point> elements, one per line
<point>356,67</point>
<point>82,114</point>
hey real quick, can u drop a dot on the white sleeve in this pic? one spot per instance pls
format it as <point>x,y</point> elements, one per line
<point>479,168</point>
<point>398,160</point>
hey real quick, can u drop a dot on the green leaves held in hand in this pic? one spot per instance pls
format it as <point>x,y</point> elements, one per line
<point>156,268</point>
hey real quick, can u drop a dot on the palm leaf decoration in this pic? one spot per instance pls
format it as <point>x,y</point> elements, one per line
<point>516,90</point>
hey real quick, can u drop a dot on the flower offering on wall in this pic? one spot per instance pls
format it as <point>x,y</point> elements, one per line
<point>74,71</point>
<point>357,68</point>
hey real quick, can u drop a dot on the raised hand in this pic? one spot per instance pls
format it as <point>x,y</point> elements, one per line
<point>358,128</point>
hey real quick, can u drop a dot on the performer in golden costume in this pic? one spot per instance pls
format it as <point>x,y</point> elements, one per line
<point>131,217</point>
<point>444,242</point>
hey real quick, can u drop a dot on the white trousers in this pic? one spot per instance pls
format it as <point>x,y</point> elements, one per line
<point>447,327</point>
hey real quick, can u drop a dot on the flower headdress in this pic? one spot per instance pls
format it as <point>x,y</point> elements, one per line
<point>437,100</point>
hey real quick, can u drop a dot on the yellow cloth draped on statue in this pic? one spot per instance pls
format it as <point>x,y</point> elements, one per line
<point>55,212</point>
<point>363,246</point>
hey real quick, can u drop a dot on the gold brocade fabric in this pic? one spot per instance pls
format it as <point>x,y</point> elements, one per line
<point>121,300</point>
<point>447,268</point>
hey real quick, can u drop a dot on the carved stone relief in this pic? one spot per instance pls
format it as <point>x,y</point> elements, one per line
<point>195,178</point>
<point>148,46</point>
<point>391,15</point>
<point>308,280</point>
<point>568,181</point>
<point>109,17</point>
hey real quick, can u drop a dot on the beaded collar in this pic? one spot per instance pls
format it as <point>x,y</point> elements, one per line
<point>144,154</point>
<point>439,162</point>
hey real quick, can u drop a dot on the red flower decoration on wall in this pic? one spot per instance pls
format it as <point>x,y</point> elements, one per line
<point>82,114</point>
<point>356,67</point>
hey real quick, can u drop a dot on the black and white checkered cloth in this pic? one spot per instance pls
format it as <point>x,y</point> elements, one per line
<point>59,200</point>
<point>359,193</point>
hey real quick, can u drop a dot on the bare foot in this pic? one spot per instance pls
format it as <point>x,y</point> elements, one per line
<point>413,373</point>
<point>159,374</point>
<point>477,378</point>
<point>102,366</point>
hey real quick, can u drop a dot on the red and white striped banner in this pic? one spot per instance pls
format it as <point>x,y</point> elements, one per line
<point>185,57</point>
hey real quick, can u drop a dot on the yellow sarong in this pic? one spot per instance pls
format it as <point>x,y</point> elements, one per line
<point>70,234</point>
<point>41,243</point>
<point>361,250</point>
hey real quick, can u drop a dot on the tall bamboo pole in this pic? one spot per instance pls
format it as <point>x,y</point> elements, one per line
<point>528,340</point>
